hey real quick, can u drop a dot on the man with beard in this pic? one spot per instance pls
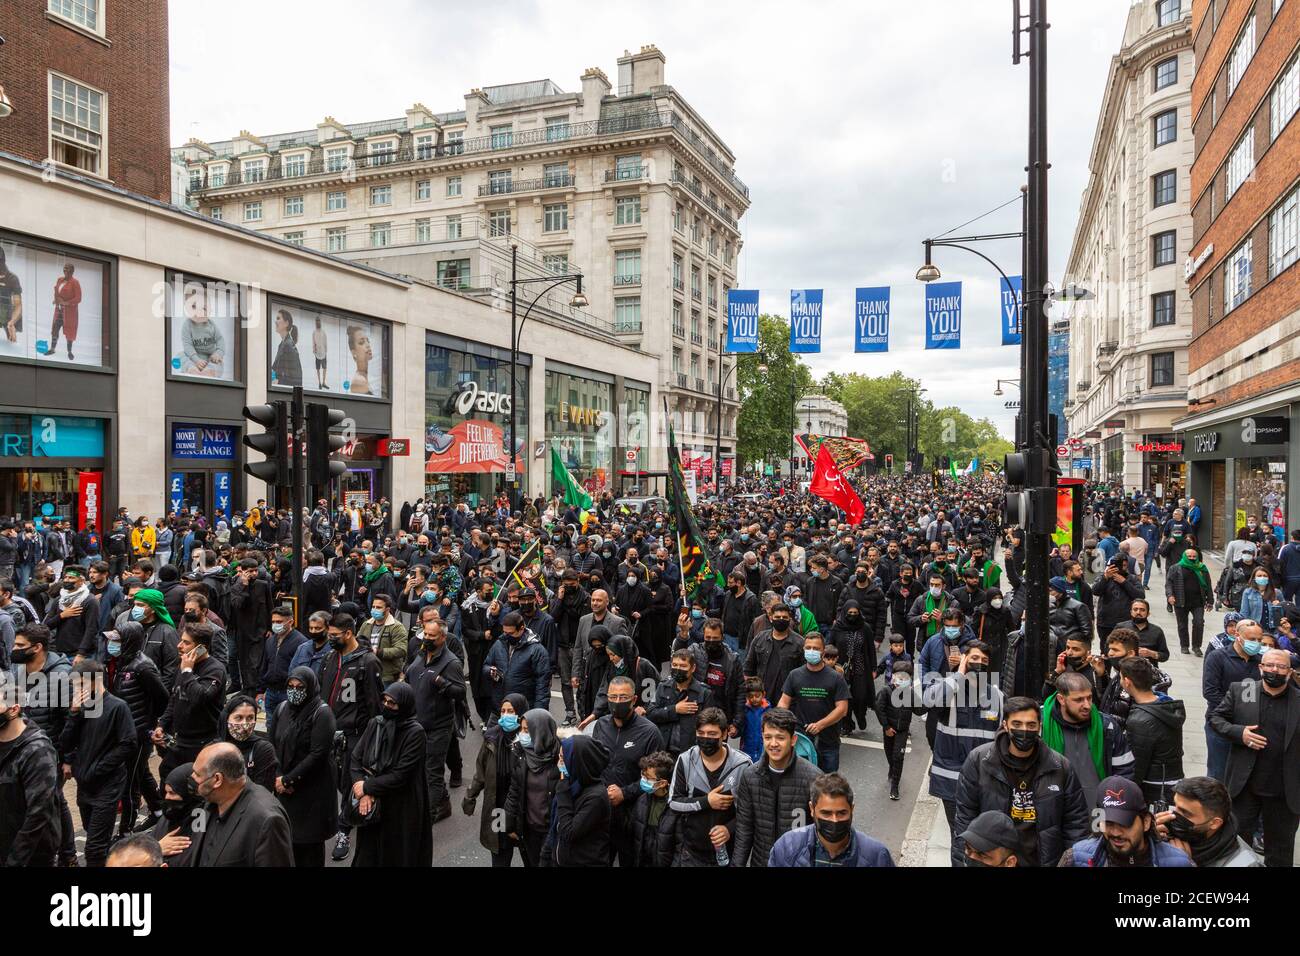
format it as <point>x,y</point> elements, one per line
<point>1201,825</point>
<point>73,619</point>
<point>1129,832</point>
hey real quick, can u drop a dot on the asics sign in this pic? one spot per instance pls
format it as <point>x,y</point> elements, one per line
<point>468,397</point>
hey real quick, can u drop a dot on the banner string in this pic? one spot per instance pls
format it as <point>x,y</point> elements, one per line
<point>1015,198</point>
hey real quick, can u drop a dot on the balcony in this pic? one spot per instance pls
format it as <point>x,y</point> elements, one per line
<point>696,295</point>
<point>1107,348</point>
<point>699,385</point>
<point>525,185</point>
<point>624,326</point>
<point>695,189</point>
<point>679,331</point>
<point>679,285</point>
<point>713,340</point>
<point>627,174</point>
<point>626,280</point>
<point>713,302</point>
<point>681,379</point>
<point>1082,385</point>
<point>697,339</point>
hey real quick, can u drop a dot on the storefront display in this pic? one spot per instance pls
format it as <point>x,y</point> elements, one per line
<point>204,320</point>
<point>202,466</point>
<point>326,351</point>
<point>1261,491</point>
<point>1164,473</point>
<point>42,459</point>
<point>53,305</point>
<point>580,425</point>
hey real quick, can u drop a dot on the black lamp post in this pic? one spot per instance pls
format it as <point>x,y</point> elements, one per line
<point>717,438</point>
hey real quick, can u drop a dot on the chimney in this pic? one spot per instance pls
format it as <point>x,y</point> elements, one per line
<point>475,100</point>
<point>418,115</point>
<point>595,87</point>
<point>640,72</point>
<point>329,128</point>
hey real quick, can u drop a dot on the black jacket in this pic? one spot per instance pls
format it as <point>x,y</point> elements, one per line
<point>678,730</point>
<point>1238,710</point>
<point>768,805</point>
<point>872,602</point>
<point>582,827</point>
<point>727,690</point>
<point>653,846</point>
<point>160,640</point>
<point>359,673</point>
<point>100,746</point>
<point>739,613</point>
<point>823,598</point>
<point>74,635</point>
<point>303,737</point>
<point>762,650</point>
<point>135,679</point>
<point>195,704</point>
<point>30,824</point>
<point>1067,617</point>
<point>637,738</point>
<point>254,832</point>
<point>318,590</point>
<point>276,660</point>
<point>1155,735</point>
<point>1115,599</point>
<point>439,686</point>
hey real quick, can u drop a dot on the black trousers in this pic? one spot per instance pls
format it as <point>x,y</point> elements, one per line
<point>1279,824</point>
<point>1197,615</point>
<point>98,814</point>
<point>895,751</point>
<point>345,777</point>
<point>309,855</point>
<point>436,743</point>
<point>139,773</point>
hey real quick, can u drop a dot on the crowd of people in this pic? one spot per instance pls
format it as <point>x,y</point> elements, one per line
<point>209,714</point>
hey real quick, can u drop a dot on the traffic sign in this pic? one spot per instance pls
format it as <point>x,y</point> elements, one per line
<point>1062,451</point>
<point>631,456</point>
<point>1082,463</point>
<point>510,472</point>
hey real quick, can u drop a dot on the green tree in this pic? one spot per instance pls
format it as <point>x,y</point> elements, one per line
<point>767,406</point>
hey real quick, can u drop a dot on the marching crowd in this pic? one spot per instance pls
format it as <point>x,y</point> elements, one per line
<point>702,720</point>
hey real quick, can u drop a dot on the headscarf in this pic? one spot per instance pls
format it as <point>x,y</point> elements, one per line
<point>381,748</point>
<point>545,748</point>
<point>496,733</point>
<point>1202,575</point>
<point>154,599</point>
<point>625,649</point>
<point>182,783</point>
<point>585,759</point>
<point>293,725</point>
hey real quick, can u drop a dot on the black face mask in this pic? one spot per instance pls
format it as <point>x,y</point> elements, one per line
<point>833,831</point>
<point>338,643</point>
<point>712,650</point>
<point>1024,739</point>
<point>971,861</point>
<point>318,638</point>
<point>1274,680</point>
<point>974,668</point>
<point>22,655</point>
<point>780,625</point>
<point>708,745</point>
<point>861,575</point>
<point>854,619</point>
<point>1180,828</point>
<point>681,675</point>
<point>621,710</point>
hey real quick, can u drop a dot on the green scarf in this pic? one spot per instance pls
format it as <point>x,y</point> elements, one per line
<point>372,576</point>
<point>1054,735</point>
<point>1201,573</point>
<point>932,626</point>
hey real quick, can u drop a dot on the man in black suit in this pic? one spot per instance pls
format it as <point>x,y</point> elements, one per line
<point>1263,777</point>
<point>246,824</point>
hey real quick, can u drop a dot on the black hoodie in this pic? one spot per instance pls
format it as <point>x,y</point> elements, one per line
<point>30,827</point>
<point>132,676</point>
<point>99,740</point>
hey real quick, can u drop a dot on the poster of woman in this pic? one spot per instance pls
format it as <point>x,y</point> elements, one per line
<point>51,306</point>
<point>286,369</point>
<point>347,353</point>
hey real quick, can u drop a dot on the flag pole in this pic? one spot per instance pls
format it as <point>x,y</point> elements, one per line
<point>677,531</point>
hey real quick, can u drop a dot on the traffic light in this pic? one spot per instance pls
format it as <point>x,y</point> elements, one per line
<point>273,443</point>
<point>321,468</point>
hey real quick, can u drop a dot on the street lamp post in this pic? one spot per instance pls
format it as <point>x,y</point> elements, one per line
<point>579,301</point>
<point>722,380</point>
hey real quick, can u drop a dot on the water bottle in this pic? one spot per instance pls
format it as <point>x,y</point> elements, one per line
<point>721,854</point>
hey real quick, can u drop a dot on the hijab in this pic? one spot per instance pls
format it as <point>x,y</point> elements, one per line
<point>293,723</point>
<point>386,729</point>
<point>182,783</point>
<point>546,746</point>
<point>585,759</point>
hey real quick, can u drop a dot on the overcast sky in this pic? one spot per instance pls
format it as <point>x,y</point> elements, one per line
<point>860,127</point>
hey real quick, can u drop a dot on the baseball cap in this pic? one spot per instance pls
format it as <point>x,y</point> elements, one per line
<point>1059,583</point>
<point>990,830</point>
<point>1120,800</point>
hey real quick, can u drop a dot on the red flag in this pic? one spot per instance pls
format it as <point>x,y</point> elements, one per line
<point>829,482</point>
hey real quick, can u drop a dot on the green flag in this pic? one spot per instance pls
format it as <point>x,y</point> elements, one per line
<point>952,469</point>
<point>573,493</point>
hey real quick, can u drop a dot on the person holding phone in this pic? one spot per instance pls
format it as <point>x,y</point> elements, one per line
<point>702,793</point>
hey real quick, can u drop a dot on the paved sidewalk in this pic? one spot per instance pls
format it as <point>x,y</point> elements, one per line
<point>928,842</point>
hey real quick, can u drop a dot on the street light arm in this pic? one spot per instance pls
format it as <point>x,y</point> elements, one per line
<point>942,242</point>
<point>559,281</point>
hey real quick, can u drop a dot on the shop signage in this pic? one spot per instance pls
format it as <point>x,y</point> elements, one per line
<point>1149,447</point>
<point>176,493</point>
<point>1190,266</point>
<point>1258,430</point>
<point>221,485</point>
<point>51,436</point>
<point>1113,423</point>
<point>469,397</point>
<point>202,441</point>
<point>1277,468</point>
<point>1082,463</point>
<point>1092,434</point>
<point>470,447</point>
<point>90,486</point>
<point>578,415</point>
<point>1204,442</point>
<point>394,447</point>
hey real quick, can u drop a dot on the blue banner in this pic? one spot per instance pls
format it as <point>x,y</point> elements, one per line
<point>221,492</point>
<point>805,320</point>
<point>202,441</point>
<point>1013,301</point>
<point>943,315</point>
<point>742,320</point>
<point>871,320</point>
<point>177,492</point>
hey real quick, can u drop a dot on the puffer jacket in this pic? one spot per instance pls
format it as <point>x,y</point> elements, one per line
<point>1068,616</point>
<point>872,602</point>
<point>1090,853</point>
<point>970,711</point>
<point>135,679</point>
<point>46,701</point>
<point>767,805</point>
<point>1155,734</point>
<point>30,825</point>
<point>653,847</point>
<point>525,668</point>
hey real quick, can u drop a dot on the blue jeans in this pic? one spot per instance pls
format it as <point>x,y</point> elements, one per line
<point>1217,748</point>
<point>1146,571</point>
<point>732,642</point>
<point>24,572</point>
<point>274,698</point>
<point>828,758</point>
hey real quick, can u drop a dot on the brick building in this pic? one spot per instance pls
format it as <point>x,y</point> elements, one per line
<point>1244,359</point>
<point>88,84</point>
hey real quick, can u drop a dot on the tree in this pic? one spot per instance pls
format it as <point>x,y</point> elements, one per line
<point>767,407</point>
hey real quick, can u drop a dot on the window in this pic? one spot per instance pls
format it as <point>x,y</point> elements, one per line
<point>334,201</point>
<point>336,160</point>
<point>424,189</point>
<point>678,282</point>
<point>423,230</point>
<point>556,263</point>
<point>381,154</point>
<point>1164,187</point>
<point>555,174</point>
<point>555,217</point>
<point>336,240</point>
<point>253,211</point>
<point>1162,309</point>
<point>1166,72</point>
<point>424,147</point>
<point>695,284</point>
<point>1168,11</point>
<point>1236,277</point>
<point>696,230</point>
<point>77,124</point>
<point>1241,163</point>
<point>677,361</point>
<point>627,313</point>
<point>455,143</point>
<point>695,365</point>
<point>1283,236</point>
<point>218,213</point>
<point>628,167</point>
<point>502,136</point>
<point>627,210</point>
<point>381,195</point>
<point>293,205</point>
<point>499,181</point>
<point>453,185</point>
<point>679,329</point>
<point>216,177</point>
<point>1241,53</point>
<point>1166,127</point>
<point>695,324</point>
<point>296,238</point>
<point>293,166</point>
<point>381,234</point>
<point>499,222</point>
<point>1285,97</point>
<point>557,128</point>
<point>84,13</point>
<point>454,274</point>
<point>679,218</point>
<point>196,180</point>
<point>1164,248</point>
<point>453,227</point>
<point>254,171</point>
<point>1162,369</point>
<point>627,267</point>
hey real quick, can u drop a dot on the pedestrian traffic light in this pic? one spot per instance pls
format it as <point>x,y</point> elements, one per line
<point>273,443</point>
<point>321,468</point>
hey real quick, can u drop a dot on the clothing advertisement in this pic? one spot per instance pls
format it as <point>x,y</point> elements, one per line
<point>326,352</point>
<point>51,306</point>
<point>204,318</point>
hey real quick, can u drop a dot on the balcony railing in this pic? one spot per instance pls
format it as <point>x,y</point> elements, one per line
<point>713,302</point>
<point>625,174</point>
<point>696,295</point>
<point>679,331</point>
<point>681,379</point>
<point>713,340</point>
<point>699,384</point>
<point>1106,348</point>
<point>695,189</point>
<point>625,280</point>
<point>679,284</point>
<point>627,325</point>
<point>697,339</point>
<point>525,185</point>
<point>731,393</point>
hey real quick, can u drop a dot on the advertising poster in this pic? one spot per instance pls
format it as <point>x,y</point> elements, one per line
<point>51,306</point>
<point>469,447</point>
<point>943,315</point>
<point>204,320</point>
<point>90,495</point>
<point>742,320</point>
<point>871,319</point>
<point>805,320</point>
<point>326,352</point>
<point>1011,304</point>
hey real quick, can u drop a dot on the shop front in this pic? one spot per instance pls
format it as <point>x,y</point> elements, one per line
<point>52,468</point>
<point>1164,473</point>
<point>202,468</point>
<point>467,406</point>
<point>580,424</point>
<point>1240,469</point>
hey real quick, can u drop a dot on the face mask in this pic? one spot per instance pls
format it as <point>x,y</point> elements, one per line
<point>621,710</point>
<point>971,861</point>
<point>1261,582</point>
<point>1023,739</point>
<point>1180,828</point>
<point>951,632</point>
<point>712,650</point>
<point>780,625</point>
<point>648,786</point>
<point>974,668</point>
<point>137,613</point>
<point>936,591</point>
<point>631,580</point>
<point>22,655</point>
<point>525,739</point>
<point>240,732</point>
<point>175,811</point>
<point>338,643</point>
<point>680,675</point>
<point>1274,680</point>
<point>901,680</point>
<point>377,614</point>
<point>708,745</point>
<point>277,628</point>
<point>696,613</point>
<point>795,602</point>
<point>812,657</point>
<point>508,722</point>
<point>854,619</point>
<point>996,604</point>
<point>861,575</point>
<point>833,831</point>
<point>1252,648</point>
<point>297,696</point>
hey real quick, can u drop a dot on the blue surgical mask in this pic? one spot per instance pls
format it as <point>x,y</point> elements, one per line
<point>697,613</point>
<point>1262,581</point>
<point>137,613</point>
<point>795,602</point>
<point>1252,648</point>
<point>277,628</point>
<point>951,632</point>
<point>377,614</point>
<point>647,786</point>
<point>114,648</point>
<point>430,596</point>
<point>508,722</point>
<point>812,657</point>
<point>525,739</point>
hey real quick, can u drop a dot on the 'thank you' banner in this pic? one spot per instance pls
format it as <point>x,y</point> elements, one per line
<point>871,320</point>
<point>943,315</point>
<point>742,320</point>
<point>1012,303</point>
<point>805,320</point>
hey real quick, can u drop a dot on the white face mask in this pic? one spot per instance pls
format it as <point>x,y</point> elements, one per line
<point>996,604</point>
<point>936,591</point>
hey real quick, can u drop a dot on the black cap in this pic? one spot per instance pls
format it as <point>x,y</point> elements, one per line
<point>990,830</point>
<point>1120,800</point>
